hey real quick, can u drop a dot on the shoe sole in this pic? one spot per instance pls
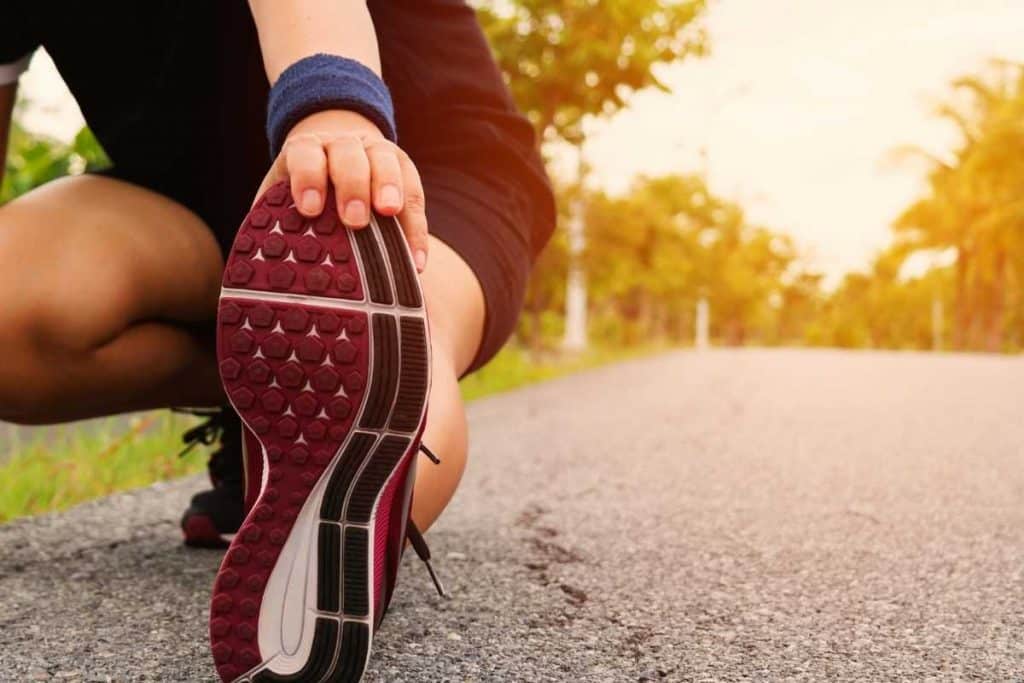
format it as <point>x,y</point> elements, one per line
<point>324,352</point>
<point>200,531</point>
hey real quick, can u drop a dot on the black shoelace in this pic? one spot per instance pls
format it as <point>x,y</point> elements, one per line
<point>213,428</point>
<point>225,463</point>
<point>416,540</point>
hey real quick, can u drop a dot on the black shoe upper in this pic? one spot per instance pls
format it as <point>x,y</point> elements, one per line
<point>223,504</point>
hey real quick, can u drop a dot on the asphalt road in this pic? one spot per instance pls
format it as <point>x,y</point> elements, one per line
<point>720,516</point>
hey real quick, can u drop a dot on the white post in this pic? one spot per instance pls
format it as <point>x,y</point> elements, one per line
<point>576,286</point>
<point>703,324</point>
<point>937,324</point>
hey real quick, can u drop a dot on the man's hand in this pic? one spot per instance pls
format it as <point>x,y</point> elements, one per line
<point>366,169</point>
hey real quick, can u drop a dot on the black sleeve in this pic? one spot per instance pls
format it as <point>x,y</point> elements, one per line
<point>17,34</point>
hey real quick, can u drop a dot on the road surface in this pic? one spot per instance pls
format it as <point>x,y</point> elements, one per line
<point>718,516</point>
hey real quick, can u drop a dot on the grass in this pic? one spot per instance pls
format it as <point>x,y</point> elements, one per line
<point>67,465</point>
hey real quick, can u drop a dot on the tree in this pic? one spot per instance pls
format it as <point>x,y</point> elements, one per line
<point>565,60</point>
<point>569,59</point>
<point>974,203</point>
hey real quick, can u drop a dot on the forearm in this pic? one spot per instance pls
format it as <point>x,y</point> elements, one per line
<point>7,95</point>
<point>292,30</point>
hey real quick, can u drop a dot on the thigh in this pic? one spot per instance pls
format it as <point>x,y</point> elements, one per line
<point>83,258</point>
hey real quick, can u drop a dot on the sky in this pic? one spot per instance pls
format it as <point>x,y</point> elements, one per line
<point>795,113</point>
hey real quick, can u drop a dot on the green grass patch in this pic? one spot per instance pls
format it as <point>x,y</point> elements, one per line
<point>66,465</point>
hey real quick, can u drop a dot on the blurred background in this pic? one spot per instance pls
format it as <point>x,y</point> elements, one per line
<point>733,173</point>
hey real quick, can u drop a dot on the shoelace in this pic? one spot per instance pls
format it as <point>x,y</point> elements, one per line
<point>223,466</point>
<point>205,433</point>
<point>211,429</point>
<point>416,540</point>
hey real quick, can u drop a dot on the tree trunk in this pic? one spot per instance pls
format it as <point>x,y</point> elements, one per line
<point>997,314</point>
<point>962,325</point>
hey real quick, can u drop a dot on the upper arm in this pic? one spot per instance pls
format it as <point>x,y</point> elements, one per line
<point>292,30</point>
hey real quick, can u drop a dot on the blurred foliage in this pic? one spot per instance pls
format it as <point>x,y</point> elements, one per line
<point>975,205</point>
<point>34,159</point>
<point>655,250</point>
<point>567,59</point>
<point>973,210</point>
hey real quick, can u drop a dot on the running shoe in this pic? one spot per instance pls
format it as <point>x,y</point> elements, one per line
<point>324,353</point>
<point>214,515</point>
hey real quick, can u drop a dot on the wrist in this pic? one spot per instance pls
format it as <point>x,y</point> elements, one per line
<point>334,122</point>
<point>323,83</point>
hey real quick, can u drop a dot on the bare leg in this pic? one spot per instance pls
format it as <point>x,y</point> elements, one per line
<point>103,287</point>
<point>455,306</point>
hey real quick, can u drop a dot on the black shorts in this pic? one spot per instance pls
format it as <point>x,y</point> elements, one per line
<point>176,93</point>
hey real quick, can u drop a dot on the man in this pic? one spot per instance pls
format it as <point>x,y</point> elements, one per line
<point>110,282</point>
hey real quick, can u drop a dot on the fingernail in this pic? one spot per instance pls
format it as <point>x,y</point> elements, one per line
<point>420,258</point>
<point>390,197</point>
<point>355,213</point>
<point>310,201</point>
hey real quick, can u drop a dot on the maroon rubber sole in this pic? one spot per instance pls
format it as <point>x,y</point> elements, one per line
<point>324,352</point>
<point>199,531</point>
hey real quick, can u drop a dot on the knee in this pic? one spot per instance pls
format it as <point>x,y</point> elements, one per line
<point>26,402</point>
<point>35,355</point>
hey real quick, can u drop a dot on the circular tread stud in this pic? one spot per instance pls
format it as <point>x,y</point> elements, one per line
<point>298,455</point>
<point>261,315</point>
<point>244,243</point>
<point>328,323</point>
<point>242,342</point>
<point>277,195</point>
<point>230,314</point>
<point>308,249</point>
<point>258,372</point>
<point>344,352</point>
<point>306,404</point>
<point>291,375</point>
<point>239,273</point>
<point>353,381</point>
<point>292,221</point>
<point>276,345</point>
<point>346,283</point>
<point>260,218</point>
<point>274,401</point>
<point>356,324</point>
<point>260,424</point>
<point>340,252</point>
<point>311,350</point>
<point>339,408</point>
<point>295,320</point>
<point>325,224</point>
<point>326,380</point>
<point>274,246</point>
<point>316,430</point>
<point>243,398</point>
<point>317,279</point>
<point>287,427</point>
<point>281,276</point>
<point>230,368</point>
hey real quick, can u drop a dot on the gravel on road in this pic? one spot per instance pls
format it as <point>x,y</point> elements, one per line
<point>696,516</point>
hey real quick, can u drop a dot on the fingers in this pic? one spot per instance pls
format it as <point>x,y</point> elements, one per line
<point>306,162</point>
<point>414,212</point>
<point>349,168</point>
<point>386,181</point>
<point>365,172</point>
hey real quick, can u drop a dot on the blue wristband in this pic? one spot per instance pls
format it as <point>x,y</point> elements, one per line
<point>323,82</point>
